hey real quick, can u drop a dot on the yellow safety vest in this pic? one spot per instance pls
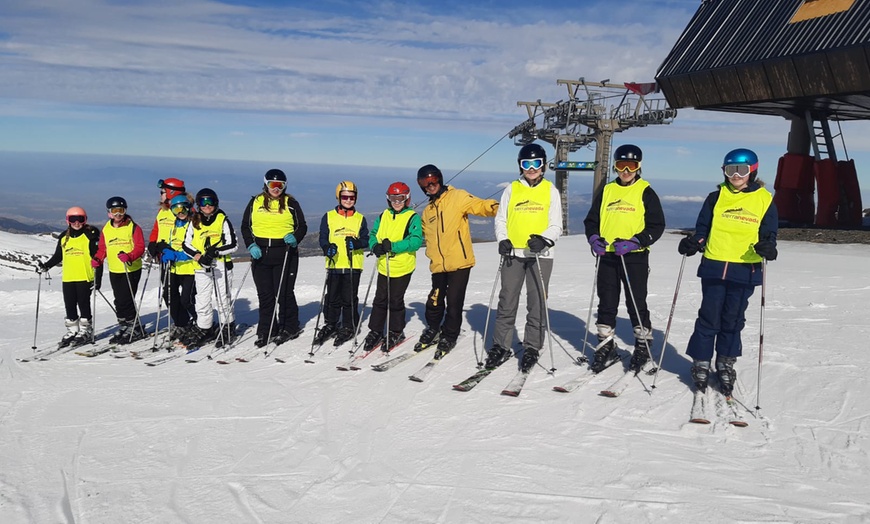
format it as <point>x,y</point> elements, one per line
<point>271,222</point>
<point>528,212</point>
<point>165,223</point>
<point>622,213</point>
<point>119,239</point>
<point>393,226</point>
<point>77,259</point>
<point>176,239</point>
<point>213,233</point>
<point>736,220</point>
<point>340,228</point>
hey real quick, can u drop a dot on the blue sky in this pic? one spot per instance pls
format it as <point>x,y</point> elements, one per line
<point>394,84</point>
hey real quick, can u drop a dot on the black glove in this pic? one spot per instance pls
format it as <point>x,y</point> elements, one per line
<point>388,246</point>
<point>537,243</point>
<point>153,250</point>
<point>766,249</point>
<point>162,245</point>
<point>206,260</point>
<point>379,250</point>
<point>40,267</point>
<point>689,246</point>
<point>354,243</point>
<point>98,278</point>
<point>505,248</point>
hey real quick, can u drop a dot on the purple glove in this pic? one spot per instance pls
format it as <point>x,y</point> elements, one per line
<point>124,257</point>
<point>599,245</point>
<point>621,247</point>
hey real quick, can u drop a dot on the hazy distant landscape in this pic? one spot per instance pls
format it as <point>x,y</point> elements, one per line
<point>38,188</point>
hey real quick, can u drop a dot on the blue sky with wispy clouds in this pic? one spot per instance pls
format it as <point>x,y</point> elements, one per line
<point>396,84</point>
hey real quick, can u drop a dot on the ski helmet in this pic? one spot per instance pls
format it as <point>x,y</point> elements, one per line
<point>206,193</point>
<point>399,188</point>
<point>116,201</point>
<point>172,186</point>
<point>531,152</point>
<point>427,171</point>
<point>628,152</point>
<point>180,200</point>
<point>741,156</point>
<point>345,185</point>
<point>76,211</point>
<point>276,175</point>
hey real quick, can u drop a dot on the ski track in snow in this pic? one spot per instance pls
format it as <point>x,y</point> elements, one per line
<point>112,440</point>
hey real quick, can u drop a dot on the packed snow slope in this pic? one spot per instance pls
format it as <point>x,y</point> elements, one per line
<point>106,440</point>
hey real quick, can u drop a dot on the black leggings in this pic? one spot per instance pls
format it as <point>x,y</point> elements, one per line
<point>77,299</point>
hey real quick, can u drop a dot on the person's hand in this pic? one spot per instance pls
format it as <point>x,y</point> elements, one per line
<point>153,249</point>
<point>331,250</point>
<point>255,251</point>
<point>598,245</point>
<point>766,249</point>
<point>96,262</point>
<point>124,257</point>
<point>387,245</point>
<point>354,243</point>
<point>505,248</point>
<point>290,240</point>
<point>40,268</point>
<point>169,255</point>
<point>378,250</point>
<point>622,247</point>
<point>207,259</point>
<point>537,243</point>
<point>689,246</point>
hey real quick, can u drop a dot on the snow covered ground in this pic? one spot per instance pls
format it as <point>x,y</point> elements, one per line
<point>107,440</point>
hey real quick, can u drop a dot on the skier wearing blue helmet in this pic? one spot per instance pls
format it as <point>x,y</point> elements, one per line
<point>736,230</point>
<point>181,268</point>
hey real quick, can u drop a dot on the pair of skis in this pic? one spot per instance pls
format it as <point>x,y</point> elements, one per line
<point>419,349</point>
<point>355,360</point>
<point>712,405</point>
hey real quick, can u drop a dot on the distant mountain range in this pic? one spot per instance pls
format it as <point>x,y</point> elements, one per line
<point>14,226</point>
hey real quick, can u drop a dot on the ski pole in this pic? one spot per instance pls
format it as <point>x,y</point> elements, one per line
<point>386,343</point>
<point>107,302</point>
<point>36,323</point>
<point>133,299</point>
<point>761,333</point>
<point>363,310</point>
<point>583,358</point>
<point>277,298</point>
<point>489,309</point>
<point>319,313</point>
<point>93,314</point>
<point>546,311</point>
<point>636,311</point>
<point>164,289</point>
<point>668,328</point>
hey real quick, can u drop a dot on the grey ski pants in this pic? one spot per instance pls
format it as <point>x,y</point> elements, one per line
<point>514,273</point>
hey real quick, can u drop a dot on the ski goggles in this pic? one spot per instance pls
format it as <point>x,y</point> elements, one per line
<point>206,201</point>
<point>738,170</point>
<point>163,185</point>
<point>428,181</point>
<point>276,184</point>
<point>75,219</point>
<point>117,211</point>
<point>531,163</point>
<point>626,165</point>
<point>347,197</point>
<point>397,199</point>
<point>178,209</point>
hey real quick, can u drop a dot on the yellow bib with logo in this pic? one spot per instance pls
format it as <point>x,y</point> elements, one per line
<point>165,223</point>
<point>736,220</point>
<point>176,239</point>
<point>211,235</point>
<point>393,226</point>
<point>119,239</point>
<point>528,212</point>
<point>77,259</point>
<point>271,222</point>
<point>340,229</point>
<point>622,211</point>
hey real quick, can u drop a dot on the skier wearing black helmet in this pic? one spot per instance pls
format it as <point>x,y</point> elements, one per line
<point>625,219</point>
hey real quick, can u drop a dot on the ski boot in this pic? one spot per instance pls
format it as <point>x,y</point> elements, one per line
<point>605,354</point>
<point>727,375</point>
<point>72,331</point>
<point>197,336</point>
<point>700,372</point>
<point>372,340</point>
<point>226,335</point>
<point>325,333</point>
<point>530,358</point>
<point>262,340</point>
<point>430,336</point>
<point>344,334</point>
<point>496,356</point>
<point>639,358</point>
<point>394,338</point>
<point>86,332</point>
<point>444,347</point>
<point>123,334</point>
<point>286,334</point>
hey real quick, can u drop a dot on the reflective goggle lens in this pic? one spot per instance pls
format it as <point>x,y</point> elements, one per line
<point>428,181</point>
<point>531,163</point>
<point>276,184</point>
<point>73,219</point>
<point>737,170</point>
<point>397,199</point>
<point>627,165</point>
<point>117,210</point>
<point>205,201</point>
<point>177,209</point>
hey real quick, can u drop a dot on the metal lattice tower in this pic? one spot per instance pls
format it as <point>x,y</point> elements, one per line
<point>593,112</point>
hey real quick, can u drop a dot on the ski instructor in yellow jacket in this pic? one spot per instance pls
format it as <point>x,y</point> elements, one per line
<point>448,246</point>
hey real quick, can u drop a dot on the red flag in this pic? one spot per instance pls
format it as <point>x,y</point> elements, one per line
<point>642,89</point>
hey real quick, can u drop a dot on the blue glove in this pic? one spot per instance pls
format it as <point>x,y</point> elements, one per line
<point>331,250</point>
<point>599,245</point>
<point>622,247</point>
<point>290,240</point>
<point>255,251</point>
<point>169,255</point>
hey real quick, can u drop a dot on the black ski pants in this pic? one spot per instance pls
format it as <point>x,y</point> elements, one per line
<point>611,280</point>
<point>125,300</point>
<point>342,297</point>
<point>396,301</point>
<point>267,271</point>
<point>446,300</point>
<point>182,299</point>
<point>77,299</point>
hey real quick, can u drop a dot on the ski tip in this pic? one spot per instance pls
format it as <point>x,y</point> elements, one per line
<point>414,378</point>
<point>608,394</point>
<point>699,421</point>
<point>307,361</point>
<point>560,389</point>
<point>457,387</point>
<point>738,423</point>
<point>510,393</point>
